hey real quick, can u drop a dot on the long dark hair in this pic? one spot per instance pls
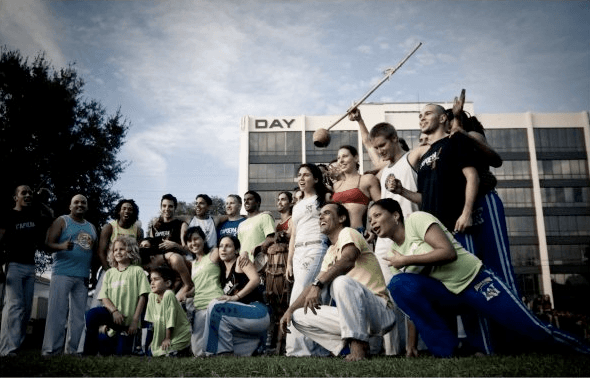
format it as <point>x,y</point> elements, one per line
<point>320,188</point>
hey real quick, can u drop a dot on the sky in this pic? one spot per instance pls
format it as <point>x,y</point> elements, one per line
<point>183,73</point>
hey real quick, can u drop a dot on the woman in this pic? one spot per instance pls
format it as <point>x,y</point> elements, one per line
<point>285,209</point>
<point>205,274</point>
<point>353,190</point>
<point>238,320</point>
<point>438,277</point>
<point>307,248</point>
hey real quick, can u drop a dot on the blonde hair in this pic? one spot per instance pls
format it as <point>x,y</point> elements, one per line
<point>132,250</point>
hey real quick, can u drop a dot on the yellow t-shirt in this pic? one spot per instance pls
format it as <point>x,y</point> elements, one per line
<point>366,268</point>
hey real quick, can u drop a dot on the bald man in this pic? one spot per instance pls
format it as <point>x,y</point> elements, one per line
<point>72,239</point>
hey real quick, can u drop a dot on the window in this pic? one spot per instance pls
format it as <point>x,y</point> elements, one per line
<point>566,197</point>
<point>516,197</point>
<point>567,225</point>
<point>559,139</point>
<point>263,173</point>
<point>275,143</point>
<point>513,170</point>
<point>507,140</point>
<point>562,169</point>
<point>337,139</point>
<point>521,226</point>
<point>574,254</point>
<point>525,255</point>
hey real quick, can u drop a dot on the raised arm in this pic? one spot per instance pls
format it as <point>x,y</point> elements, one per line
<point>355,115</point>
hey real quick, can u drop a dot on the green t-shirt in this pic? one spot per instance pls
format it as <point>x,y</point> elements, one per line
<point>124,289</point>
<point>456,275</point>
<point>366,267</point>
<point>253,231</point>
<point>205,276</point>
<point>165,314</point>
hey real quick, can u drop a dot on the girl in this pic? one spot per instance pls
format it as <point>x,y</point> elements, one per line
<point>172,332</point>
<point>237,321</point>
<point>438,277</point>
<point>123,296</point>
<point>354,190</point>
<point>307,248</point>
<point>205,275</point>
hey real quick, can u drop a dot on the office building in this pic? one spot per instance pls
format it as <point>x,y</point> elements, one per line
<point>543,182</point>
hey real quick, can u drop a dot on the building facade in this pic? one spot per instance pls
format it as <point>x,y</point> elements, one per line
<point>544,181</point>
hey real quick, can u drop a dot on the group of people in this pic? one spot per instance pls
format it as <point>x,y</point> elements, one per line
<point>356,263</point>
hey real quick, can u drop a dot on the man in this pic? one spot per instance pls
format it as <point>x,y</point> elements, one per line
<point>233,206</point>
<point>447,177</point>
<point>258,229</point>
<point>350,274</point>
<point>168,235</point>
<point>204,220</point>
<point>168,231</point>
<point>124,222</point>
<point>447,188</point>
<point>22,232</point>
<point>385,150</point>
<point>73,241</point>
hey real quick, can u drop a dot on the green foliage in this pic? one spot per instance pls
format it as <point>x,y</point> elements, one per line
<point>53,137</point>
<point>31,363</point>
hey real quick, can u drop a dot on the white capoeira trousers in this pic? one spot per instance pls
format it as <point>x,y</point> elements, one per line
<point>358,315</point>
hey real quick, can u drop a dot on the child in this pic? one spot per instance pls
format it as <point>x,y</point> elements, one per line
<point>123,296</point>
<point>172,331</point>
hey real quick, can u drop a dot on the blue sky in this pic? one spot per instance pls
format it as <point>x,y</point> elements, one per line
<point>185,72</point>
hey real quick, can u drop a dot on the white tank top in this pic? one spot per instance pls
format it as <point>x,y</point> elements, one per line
<point>404,172</point>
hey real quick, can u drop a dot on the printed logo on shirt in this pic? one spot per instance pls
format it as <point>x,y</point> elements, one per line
<point>84,240</point>
<point>116,284</point>
<point>24,225</point>
<point>227,289</point>
<point>431,160</point>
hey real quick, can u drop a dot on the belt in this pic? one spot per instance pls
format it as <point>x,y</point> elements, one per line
<point>305,244</point>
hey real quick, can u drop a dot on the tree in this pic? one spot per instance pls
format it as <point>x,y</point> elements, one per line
<point>53,137</point>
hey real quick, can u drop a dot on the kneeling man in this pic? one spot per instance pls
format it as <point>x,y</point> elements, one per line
<point>351,274</point>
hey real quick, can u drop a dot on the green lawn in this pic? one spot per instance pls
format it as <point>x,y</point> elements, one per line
<point>30,363</point>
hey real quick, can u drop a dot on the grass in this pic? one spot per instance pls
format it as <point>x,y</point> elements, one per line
<point>30,363</point>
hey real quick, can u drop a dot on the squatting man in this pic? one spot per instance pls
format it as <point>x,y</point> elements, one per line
<point>351,276</point>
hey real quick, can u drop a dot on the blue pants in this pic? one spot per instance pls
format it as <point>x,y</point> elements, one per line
<point>120,344</point>
<point>433,309</point>
<point>488,240</point>
<point>235,327</point>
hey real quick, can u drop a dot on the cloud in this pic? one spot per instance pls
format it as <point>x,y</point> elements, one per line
<point>30,27</point>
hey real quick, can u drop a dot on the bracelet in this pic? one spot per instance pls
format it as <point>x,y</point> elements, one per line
<point>113,312</point>
<point>238,295</point>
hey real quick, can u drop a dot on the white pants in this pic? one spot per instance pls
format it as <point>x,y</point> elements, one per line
<point>358,315</point>
<point>235,327</point>
<point>307,262</point>
<point>67,303</point>
<point>20,285</point>
<point>198,332</point>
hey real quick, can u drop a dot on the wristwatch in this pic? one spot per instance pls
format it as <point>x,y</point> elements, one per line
<point>318,283</point>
